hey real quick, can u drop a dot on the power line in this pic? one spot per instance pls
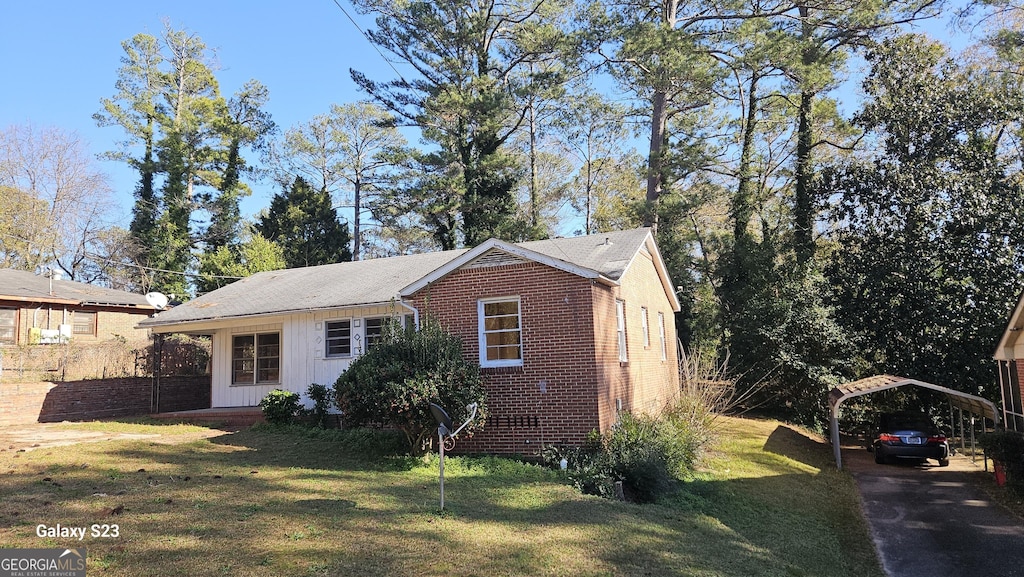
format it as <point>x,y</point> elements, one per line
<point>107,260</point>
<point>367,37</point>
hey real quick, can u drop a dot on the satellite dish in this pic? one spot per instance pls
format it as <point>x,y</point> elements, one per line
<point>444,429</point>
<point>442,418</point>
<point>157,300</point>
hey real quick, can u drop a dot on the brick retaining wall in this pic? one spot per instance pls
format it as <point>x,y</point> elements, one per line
<point>43,402</point>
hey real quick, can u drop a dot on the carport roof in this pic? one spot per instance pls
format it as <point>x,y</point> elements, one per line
<point>959,399</point>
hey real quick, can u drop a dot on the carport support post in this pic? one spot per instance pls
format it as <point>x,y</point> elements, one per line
<point>963,436</point>
<point>836,448</point>
<point>973,448</point>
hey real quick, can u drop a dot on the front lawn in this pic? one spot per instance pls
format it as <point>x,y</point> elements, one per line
<point>264,503</point>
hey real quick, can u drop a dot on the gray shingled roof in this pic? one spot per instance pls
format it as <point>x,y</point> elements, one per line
<point>608,253</point>
<point>26,286</point>
<point>377,280</point>
<point>309,288</point>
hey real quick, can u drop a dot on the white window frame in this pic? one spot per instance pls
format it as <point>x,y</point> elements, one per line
<point>645,327</point>
<point>620,329</point>
<point>482,332</point>
<point>661,332</point>
<point>328,339</point>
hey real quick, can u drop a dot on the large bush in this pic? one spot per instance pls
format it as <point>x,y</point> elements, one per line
<point>393,383</point>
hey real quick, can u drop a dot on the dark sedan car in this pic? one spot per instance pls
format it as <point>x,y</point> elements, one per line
<point>909,436</point>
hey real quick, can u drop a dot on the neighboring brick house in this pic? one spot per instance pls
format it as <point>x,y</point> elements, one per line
<point>37,310</point>
<point>1010,357</point>
<point>568,332</point>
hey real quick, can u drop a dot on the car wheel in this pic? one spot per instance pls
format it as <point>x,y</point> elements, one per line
<point>879,458</point>
<point>943,462</point>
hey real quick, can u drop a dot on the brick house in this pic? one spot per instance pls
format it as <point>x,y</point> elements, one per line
<point>568,332</point>
<point>37,310</point>
<point>1009,355</point>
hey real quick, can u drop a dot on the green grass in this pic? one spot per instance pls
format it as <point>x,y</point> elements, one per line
<point>259,502</point>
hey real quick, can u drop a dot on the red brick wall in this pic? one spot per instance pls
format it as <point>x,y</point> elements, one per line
<point>22,403</point>
<point>569,343</point>
<point>558,350</point>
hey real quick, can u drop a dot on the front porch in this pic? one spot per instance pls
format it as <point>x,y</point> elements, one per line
<point>227,417</point>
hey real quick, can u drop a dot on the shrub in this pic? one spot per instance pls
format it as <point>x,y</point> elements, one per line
<point>392,384</point>
<point>641,455</point>
<point>280,406</point>
<point>1007,447</point>
<point>321,412</point>
<point>647,454</point>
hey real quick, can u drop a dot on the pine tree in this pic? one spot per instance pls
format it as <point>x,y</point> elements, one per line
<point>303,223</point>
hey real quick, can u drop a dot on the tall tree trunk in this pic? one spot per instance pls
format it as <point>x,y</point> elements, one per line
<point>742,205</point>
<point>357,196</point>
<point>534,211</point>
<point>655,164</point>
<point>803,211</point>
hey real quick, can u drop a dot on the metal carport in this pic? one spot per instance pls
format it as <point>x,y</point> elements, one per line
<point>964,401</point>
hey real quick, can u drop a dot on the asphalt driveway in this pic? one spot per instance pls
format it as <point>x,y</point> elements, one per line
<point>931,521</point>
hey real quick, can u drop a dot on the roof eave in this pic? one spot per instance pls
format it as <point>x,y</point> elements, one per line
<point>155,325</point>
<point>1004,350</point>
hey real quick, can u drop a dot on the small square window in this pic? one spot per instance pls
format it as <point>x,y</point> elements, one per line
<point>84,323</point>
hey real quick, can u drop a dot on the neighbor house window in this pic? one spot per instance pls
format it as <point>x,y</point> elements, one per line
<point>661,334</point>
<point>374,328</point>
<point>8,326</point>
<point>339,338</point>
<point>645,329</point>
<point>256,359</point>
<point>83,323</point>
<point>620,328</point>
<point>500,329</point>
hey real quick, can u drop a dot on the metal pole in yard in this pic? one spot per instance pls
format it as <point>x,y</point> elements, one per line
<point>440,438</point>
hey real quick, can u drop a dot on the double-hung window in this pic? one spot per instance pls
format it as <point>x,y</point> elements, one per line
<point>501,332</point>
<point>8,326</point>
<point>620,329</point>
<point>338,338</point>
<point>256,359</point>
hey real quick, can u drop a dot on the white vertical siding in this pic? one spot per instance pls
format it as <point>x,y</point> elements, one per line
<point>302,354</point>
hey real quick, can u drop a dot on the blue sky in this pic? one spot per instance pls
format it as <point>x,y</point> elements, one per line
<point>59,58</point>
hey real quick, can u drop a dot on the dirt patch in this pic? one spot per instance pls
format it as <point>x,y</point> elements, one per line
<point>44,435</point>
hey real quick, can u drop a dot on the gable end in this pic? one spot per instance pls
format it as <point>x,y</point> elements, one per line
<point>495,257</point>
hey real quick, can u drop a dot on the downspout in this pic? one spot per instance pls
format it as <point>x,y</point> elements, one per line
<point>415,313</point>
